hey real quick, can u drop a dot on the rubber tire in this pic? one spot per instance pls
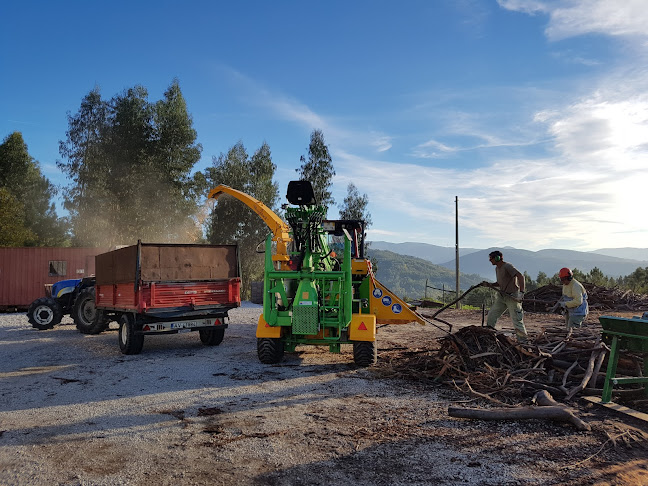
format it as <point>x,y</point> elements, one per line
<point>87,318</point>
<point>101,323</point>
<point>211,337</point>
<point>270,350</point>
<point>44,313</point>
<point>129,342</point>
<point>365,353</point>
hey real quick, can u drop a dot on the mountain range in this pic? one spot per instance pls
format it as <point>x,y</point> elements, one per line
<point>613,262</point>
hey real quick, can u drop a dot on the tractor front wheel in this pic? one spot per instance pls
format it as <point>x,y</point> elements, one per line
<point>365,353</point>
<point>270,350</point>
<point>44,313</point>
<point>129,341</point>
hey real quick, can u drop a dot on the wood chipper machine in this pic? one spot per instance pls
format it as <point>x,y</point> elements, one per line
<point>318,287</point>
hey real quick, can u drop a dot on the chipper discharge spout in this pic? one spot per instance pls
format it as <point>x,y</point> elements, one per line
<point>318,287</point>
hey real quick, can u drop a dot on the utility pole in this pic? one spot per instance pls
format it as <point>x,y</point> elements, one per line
<point>457,248</point>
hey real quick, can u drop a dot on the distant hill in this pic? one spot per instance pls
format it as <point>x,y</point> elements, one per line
<point>640,254</point>
<point>433,253</point>
<point>613,262</point>
<point>405,275</point>
<point>547,261</point>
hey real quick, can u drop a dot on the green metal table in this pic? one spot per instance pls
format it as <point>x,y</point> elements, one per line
<point>624,333</point>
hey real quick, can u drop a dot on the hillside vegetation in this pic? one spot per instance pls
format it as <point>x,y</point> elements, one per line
<point>406,275</point>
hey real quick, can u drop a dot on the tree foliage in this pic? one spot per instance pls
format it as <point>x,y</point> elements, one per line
<point>355,206</point>
<point>318,169</point>
<point>13,231</point>
<point>28,194</point>
<point>130,162</point>
<point>233,222</point>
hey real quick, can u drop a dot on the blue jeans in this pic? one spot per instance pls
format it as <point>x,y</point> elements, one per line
<point>502,304</point>
<point>572,320</point>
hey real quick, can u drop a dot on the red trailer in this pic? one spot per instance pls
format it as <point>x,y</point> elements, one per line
<point>167,288</point>
<point>25,273</point>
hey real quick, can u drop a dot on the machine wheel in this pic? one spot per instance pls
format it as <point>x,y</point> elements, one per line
<point>270,350</point>
<point>365,353</point>
<point>211,337</point>
<point>44,313</point>
<point>129,342</point>
<point>85,315</point>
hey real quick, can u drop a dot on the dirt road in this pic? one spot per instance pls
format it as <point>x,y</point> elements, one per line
<point>75,411</point>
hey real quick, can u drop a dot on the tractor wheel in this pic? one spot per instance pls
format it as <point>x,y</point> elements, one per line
<point>211,337</point>
<point>365,353</point>
<point>44,313</point>
<point>129,341</point>
<point>270,350</point>
<point>85,315</point>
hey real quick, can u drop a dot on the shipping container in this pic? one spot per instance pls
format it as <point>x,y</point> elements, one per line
<point>25,273</point>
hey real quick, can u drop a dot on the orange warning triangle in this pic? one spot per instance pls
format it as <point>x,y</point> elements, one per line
<point>362,327</point>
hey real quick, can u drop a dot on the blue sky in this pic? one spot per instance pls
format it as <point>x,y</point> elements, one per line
<point>533,113</point>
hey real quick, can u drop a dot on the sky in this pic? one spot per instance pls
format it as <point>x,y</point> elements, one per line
<point>530,116</point>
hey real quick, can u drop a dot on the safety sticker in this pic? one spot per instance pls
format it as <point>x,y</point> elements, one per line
<point>386,300</point>
<point>397,308</point>
<point>377,293</point>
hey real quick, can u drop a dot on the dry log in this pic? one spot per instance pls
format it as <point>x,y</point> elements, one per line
<point>588,374</point>
<point>597,368</point>
<point>559,413</point>
<point>544,399</point>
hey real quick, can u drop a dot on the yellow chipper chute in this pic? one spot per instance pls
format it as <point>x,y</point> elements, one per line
<point>318,288</point>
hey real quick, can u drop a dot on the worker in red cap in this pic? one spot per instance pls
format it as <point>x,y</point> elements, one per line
<point>573,300</point>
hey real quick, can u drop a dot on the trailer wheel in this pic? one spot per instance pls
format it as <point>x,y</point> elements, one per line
<point>85,315</point>
<point>270,350</point>
<point>129,341</point>
<point>365,353</point>
<point>211,337</point>
<point>44,313</point>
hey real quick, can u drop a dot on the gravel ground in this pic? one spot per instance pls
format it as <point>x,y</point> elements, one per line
<point>75,411</point>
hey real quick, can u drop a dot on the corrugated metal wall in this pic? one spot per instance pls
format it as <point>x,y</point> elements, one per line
<point>25,271</point>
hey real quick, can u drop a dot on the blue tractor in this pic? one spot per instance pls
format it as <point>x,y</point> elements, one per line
<point>75,297</point>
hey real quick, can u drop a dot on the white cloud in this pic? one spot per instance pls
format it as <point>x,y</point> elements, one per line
<point>577,17</point>
<point>381,142</point>
<point>433,149</point>
<point>627,17</point>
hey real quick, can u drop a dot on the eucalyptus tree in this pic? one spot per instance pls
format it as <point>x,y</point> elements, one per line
<point>233,222</point>
<point>30,193</point>
<point>355,206</point>
<point>13,231</point>
<point>318,169</point>
<point>130,164</point>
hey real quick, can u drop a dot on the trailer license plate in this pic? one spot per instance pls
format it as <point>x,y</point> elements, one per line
<point>190,324</point>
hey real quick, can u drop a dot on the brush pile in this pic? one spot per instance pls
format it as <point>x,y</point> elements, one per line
<point>486,363</point>
<point>599,298</point>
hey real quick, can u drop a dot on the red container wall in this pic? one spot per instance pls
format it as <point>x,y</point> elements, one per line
<point>24,272</point>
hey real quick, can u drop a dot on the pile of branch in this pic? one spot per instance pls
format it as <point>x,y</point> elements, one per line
<point>483,362</point>
<point>601,298</point>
